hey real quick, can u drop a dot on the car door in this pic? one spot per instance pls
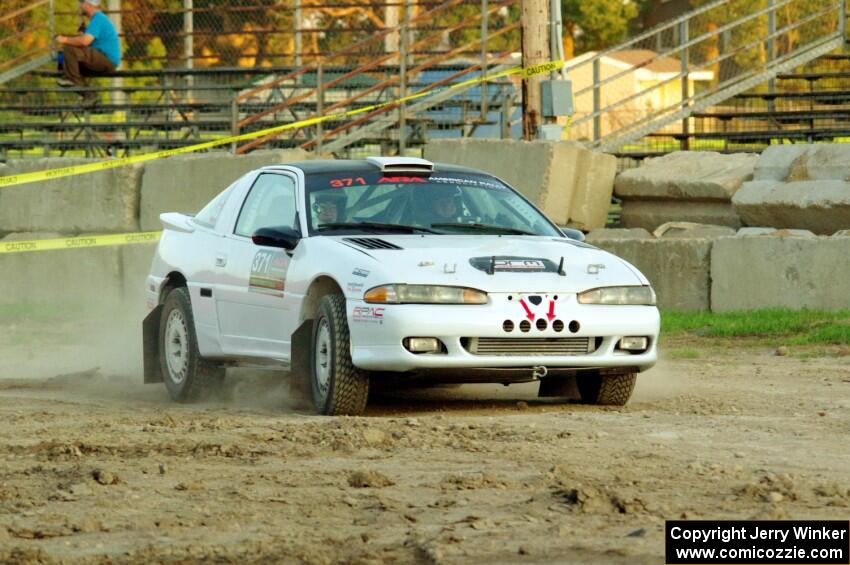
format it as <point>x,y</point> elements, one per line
<point>254,319</point>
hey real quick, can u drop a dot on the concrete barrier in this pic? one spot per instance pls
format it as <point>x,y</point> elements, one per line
<point>185,183</point>
<point>776,271</point>
<point>571,184</point>
<point>68,276</point>
<point>101,202</point>
<point>693,186</point>
<point>798,186</point>
<point>678,268</point>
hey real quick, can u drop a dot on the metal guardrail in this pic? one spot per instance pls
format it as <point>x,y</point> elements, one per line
<point>660,77</point>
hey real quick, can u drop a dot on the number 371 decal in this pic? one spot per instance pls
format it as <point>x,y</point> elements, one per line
<point>268,272</point>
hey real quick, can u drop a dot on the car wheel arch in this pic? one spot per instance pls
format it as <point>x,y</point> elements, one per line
<point>174,279</point>
<point>319,288</point>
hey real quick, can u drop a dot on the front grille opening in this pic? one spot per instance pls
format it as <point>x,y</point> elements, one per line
<point>574,326</point>
<point>542,324</point>
<point>528,346</point>
<point>558,325</point>
<point>508,326</point>
<point>525,326</point>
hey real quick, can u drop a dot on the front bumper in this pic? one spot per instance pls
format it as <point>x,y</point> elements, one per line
<point>377,332</point>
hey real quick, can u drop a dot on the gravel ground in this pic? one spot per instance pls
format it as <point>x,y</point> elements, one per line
<point>95,467</point>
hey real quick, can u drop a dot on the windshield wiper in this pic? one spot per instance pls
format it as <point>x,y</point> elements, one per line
<point>485,227</point>
<point>374,226</point>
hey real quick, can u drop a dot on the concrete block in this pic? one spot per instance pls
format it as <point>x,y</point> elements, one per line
<point>822,206</point>
<point>691,230</point>
<point>749,273</point>
<point>649,214</point>
<point>101,202</point>
<point>135,267</point>
<point>687,175</point>
<point>571,184</point>
<point>185,183</point>
<point>606,234</point>
<point>677,268</point>
<point>594,180</point>
<point>67,276</point>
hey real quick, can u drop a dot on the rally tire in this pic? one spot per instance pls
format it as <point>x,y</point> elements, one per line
<point>607,390</point>
<point>186,374</point>
<point>339,388</point>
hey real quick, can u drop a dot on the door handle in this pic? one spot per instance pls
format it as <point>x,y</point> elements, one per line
<point>220,260</point>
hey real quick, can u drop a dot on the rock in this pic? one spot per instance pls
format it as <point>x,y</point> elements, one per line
<point>522,405</point>
<point>105,477</point>
<point>369,479</point>
<point>687,175</point>
<point>782,351</point>
<point>775,496</point>
<point>374,436</point>
<point>692,230</point>
<point>188,485</point>
<point>639,533</point>
<point>162,468</point>
<point>798,186</point>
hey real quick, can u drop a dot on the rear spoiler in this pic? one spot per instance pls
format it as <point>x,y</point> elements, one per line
<point>177,222</point>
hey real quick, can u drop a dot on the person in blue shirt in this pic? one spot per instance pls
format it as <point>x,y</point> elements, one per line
<point>97,50</point>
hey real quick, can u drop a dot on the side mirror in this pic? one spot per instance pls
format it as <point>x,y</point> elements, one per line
<point>278,236</point>
<point>573,233</point>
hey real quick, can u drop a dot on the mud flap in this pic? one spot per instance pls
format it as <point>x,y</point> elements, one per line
<point>150,346</point>
<point>299,363</point>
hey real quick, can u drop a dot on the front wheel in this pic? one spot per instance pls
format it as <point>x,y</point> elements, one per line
<point>187,375</point>
<point>607,390</point>
<point>339,388</point>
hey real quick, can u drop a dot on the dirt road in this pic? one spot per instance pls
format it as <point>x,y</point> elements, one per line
<point>99,468</point>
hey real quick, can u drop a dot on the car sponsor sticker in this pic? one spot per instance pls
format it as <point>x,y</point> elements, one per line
<point>354,287</point>
<point>358,272</point>
<point>268,272</point>
<point>368,314</point>
<point>505,264</point>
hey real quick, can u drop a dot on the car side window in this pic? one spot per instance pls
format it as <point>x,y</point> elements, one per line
<point>270,202</point>
<point>209,215</point>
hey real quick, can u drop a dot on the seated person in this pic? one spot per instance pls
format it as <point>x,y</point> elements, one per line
<point>329,207</point>
<point>97,50</point>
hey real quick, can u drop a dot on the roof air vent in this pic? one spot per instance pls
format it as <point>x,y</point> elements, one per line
<point>401,164</point>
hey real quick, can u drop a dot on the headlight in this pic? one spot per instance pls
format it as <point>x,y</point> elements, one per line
<point>620,295</point>
<point>424,294</point>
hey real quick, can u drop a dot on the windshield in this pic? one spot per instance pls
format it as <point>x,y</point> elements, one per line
<point>441,203</point>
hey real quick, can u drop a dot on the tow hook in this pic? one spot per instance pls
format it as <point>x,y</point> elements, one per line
<point>539,372</point>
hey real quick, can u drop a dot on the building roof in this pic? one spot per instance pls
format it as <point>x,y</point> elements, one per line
<point>644,58</point>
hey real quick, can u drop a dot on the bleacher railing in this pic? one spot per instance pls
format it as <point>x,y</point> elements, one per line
<point>659,78</point>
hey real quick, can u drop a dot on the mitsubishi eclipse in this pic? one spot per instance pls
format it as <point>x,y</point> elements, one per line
<point>391,270</point>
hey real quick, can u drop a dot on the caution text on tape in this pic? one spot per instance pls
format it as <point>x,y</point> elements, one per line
<point>79,242</point>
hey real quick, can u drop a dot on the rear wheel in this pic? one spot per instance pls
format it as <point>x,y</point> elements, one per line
<point>339,388</point>
<point>607,390</point>
<point>186,374</point>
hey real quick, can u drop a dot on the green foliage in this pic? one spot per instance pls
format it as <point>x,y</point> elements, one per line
<point>597,24</point>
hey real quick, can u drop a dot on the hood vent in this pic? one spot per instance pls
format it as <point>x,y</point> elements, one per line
<point>370,243</point>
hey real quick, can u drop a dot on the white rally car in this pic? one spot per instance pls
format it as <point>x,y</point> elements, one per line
<point>391,270</point>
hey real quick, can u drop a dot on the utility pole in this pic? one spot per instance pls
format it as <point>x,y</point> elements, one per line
<point>535,50</point>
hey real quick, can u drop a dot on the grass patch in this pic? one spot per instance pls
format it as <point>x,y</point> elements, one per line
<point>794,327</point>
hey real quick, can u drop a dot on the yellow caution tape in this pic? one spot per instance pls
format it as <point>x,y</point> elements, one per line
<point>25,178</point>
<point>79,242</point>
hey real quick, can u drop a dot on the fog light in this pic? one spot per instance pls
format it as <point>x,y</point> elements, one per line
<point>422,344</point>
<point>633,343</point>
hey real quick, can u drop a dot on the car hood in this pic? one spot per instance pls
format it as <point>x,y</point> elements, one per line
<point>522,263</point>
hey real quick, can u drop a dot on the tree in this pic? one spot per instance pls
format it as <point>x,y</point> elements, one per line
<point>595,24</point>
